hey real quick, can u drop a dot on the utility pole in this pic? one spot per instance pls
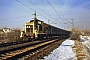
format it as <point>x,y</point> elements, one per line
<point>48,21</point>
<point>64,23</point>
<point>84,27</point>
<point>72,24</point>
<point>35,19</point>
<point>34,16</point>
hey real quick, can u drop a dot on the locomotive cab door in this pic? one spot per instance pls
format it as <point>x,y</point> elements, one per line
<point>36,34</point>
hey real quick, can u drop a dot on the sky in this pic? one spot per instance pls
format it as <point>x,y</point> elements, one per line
<point>59,13</point>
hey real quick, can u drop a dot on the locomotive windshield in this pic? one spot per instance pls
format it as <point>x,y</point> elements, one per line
<point>29,28</point>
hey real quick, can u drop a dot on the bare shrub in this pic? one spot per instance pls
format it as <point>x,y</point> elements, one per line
<point>75,35</point>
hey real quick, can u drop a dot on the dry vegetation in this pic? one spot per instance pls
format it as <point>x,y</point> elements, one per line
<point>78,47</point>
<point>75,34</point>
<point>11,36</point>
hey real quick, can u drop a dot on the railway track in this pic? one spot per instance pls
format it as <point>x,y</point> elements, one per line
<point>13,43</point>
<point>24,49</point>
<point>17,46</point>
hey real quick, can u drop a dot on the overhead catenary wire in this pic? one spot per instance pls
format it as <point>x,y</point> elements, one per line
<point>53,8</point>
<point>60,11</point>
<point>32,9</point>
<point>40,9</point>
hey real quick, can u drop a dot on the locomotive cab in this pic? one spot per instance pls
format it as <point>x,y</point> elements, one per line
<point>33,29</point>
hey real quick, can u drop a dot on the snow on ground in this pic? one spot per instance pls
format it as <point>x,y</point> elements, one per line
<point>85,41</point>
<point>86,45</point>
<point>63,52</point>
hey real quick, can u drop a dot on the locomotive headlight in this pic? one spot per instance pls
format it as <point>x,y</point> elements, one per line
<point>27,26</point>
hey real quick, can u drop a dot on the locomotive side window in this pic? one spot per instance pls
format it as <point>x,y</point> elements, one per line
<point>39,22</point>
<point>40,28</point>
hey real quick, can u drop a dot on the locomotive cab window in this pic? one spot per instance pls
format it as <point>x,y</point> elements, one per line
<point>29,28</point>
<point>39,22</point>
<point>39,26</point>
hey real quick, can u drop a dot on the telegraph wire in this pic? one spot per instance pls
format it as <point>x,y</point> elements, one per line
<point>53,8</point>
<point>40,9</point>
<point>31,9</point>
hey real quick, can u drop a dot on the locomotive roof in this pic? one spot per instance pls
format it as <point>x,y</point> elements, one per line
<point>36,20</point>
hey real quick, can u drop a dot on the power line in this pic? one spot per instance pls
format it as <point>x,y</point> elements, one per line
<point>32,9</point>
<point>40,9</point>
<point>53,9</point>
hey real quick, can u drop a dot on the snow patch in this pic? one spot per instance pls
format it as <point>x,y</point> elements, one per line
<point>86,45</point>
<point>84,38</point>
<point>63,52</point>
<point>68,43</point>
